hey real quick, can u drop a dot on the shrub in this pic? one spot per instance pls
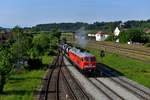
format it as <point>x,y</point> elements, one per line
<point>34,64</point>
<point>110,38</point>
<point>147,45</point>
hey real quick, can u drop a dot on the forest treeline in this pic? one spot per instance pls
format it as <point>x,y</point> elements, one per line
<point>103,26</point>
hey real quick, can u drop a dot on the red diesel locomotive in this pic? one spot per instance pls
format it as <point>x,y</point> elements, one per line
<point>83,60</point>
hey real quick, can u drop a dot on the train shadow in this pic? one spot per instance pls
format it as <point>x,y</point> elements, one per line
<point>103,70</point>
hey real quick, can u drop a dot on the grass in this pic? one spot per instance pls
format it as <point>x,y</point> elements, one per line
<point>131,68</point>
<point>20,86</point>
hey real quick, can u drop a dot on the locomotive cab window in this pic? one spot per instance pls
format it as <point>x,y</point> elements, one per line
<point>93,59</point>
<point>86,59</point>
<point>82,59</point>
<point>89,59</point>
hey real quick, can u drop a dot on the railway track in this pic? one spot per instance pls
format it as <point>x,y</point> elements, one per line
<point>137,91</point>
<point>44,91</point>
<point>142,56</point>
<point>131,49</point>
<point>52,90</point>
<point>61,85</point>
<point>122,49</point>
<point>146,53</point>
<point>75,88</point>
<point>121,89</point>
<point>134,53</point>
<point>110,94</point>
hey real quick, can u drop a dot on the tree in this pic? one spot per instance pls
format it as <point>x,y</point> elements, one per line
<point>56,33</point>
<point>44,43</point>
<point>124,37</point>
<point>53,43</point>
<point>133,35</point>
<point>110,38</point>
<point>5,66</point>
<point>40,45</point>
<point>20,43</point>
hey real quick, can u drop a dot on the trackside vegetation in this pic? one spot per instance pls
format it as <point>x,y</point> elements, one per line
<point>131,35</point>
<point>20,86</point>
<point>24,58</point>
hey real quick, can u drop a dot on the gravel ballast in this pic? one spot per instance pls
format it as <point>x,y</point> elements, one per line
<point>88,87</point>
<point>119,89</point>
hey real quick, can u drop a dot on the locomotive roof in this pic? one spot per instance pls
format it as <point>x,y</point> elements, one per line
<point>79,53</point>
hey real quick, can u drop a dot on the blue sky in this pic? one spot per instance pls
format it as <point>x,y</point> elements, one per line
<point>32,12</point>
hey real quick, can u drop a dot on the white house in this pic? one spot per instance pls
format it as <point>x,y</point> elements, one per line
<point>116,31</point>
<point>101,36</point>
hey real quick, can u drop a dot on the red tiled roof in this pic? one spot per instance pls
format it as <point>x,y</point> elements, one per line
<point>101,32</point>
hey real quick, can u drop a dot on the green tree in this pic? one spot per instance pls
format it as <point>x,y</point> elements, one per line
<point>53,43</point>
<point>110,38</point>
<point>134,36</point>
<point>5,66</point>
<point>124,37</point>
<point>20,43</point>
<point>40,45</point>
<point>56,33</point>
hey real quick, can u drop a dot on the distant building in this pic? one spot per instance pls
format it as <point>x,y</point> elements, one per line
<point>91,36</point>
<point>99,36</point>
<point>116,32</point>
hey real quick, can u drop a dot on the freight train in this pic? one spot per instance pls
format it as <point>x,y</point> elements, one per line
<point>85,61</point>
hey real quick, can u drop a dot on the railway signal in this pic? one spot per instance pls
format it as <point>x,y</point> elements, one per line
<point>102,54</point>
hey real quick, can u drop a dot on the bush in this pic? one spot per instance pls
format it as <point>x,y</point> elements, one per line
<point>147,45</point>
<point>34,64</point>
<point>134,36</point>
<point>110,38</point>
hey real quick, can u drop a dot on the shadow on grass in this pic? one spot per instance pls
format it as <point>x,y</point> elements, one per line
<point>25,78</point>
<point>17,92</point>
<point>20,79</point>
<point>102,68</point>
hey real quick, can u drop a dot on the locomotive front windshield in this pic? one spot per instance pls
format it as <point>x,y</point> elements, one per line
<point>89,59</point>
<point>93,59</point>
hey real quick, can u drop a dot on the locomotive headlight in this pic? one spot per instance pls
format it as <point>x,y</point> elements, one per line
<point>85,66</point>
<point>93,66</point>
<point>89,66</point>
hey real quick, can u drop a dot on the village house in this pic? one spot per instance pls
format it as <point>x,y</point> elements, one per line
<point>99,36</point>
<point>91,36</point>
<point>116,33</point>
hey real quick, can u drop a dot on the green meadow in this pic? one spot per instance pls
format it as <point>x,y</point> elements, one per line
<point>21,85</point>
